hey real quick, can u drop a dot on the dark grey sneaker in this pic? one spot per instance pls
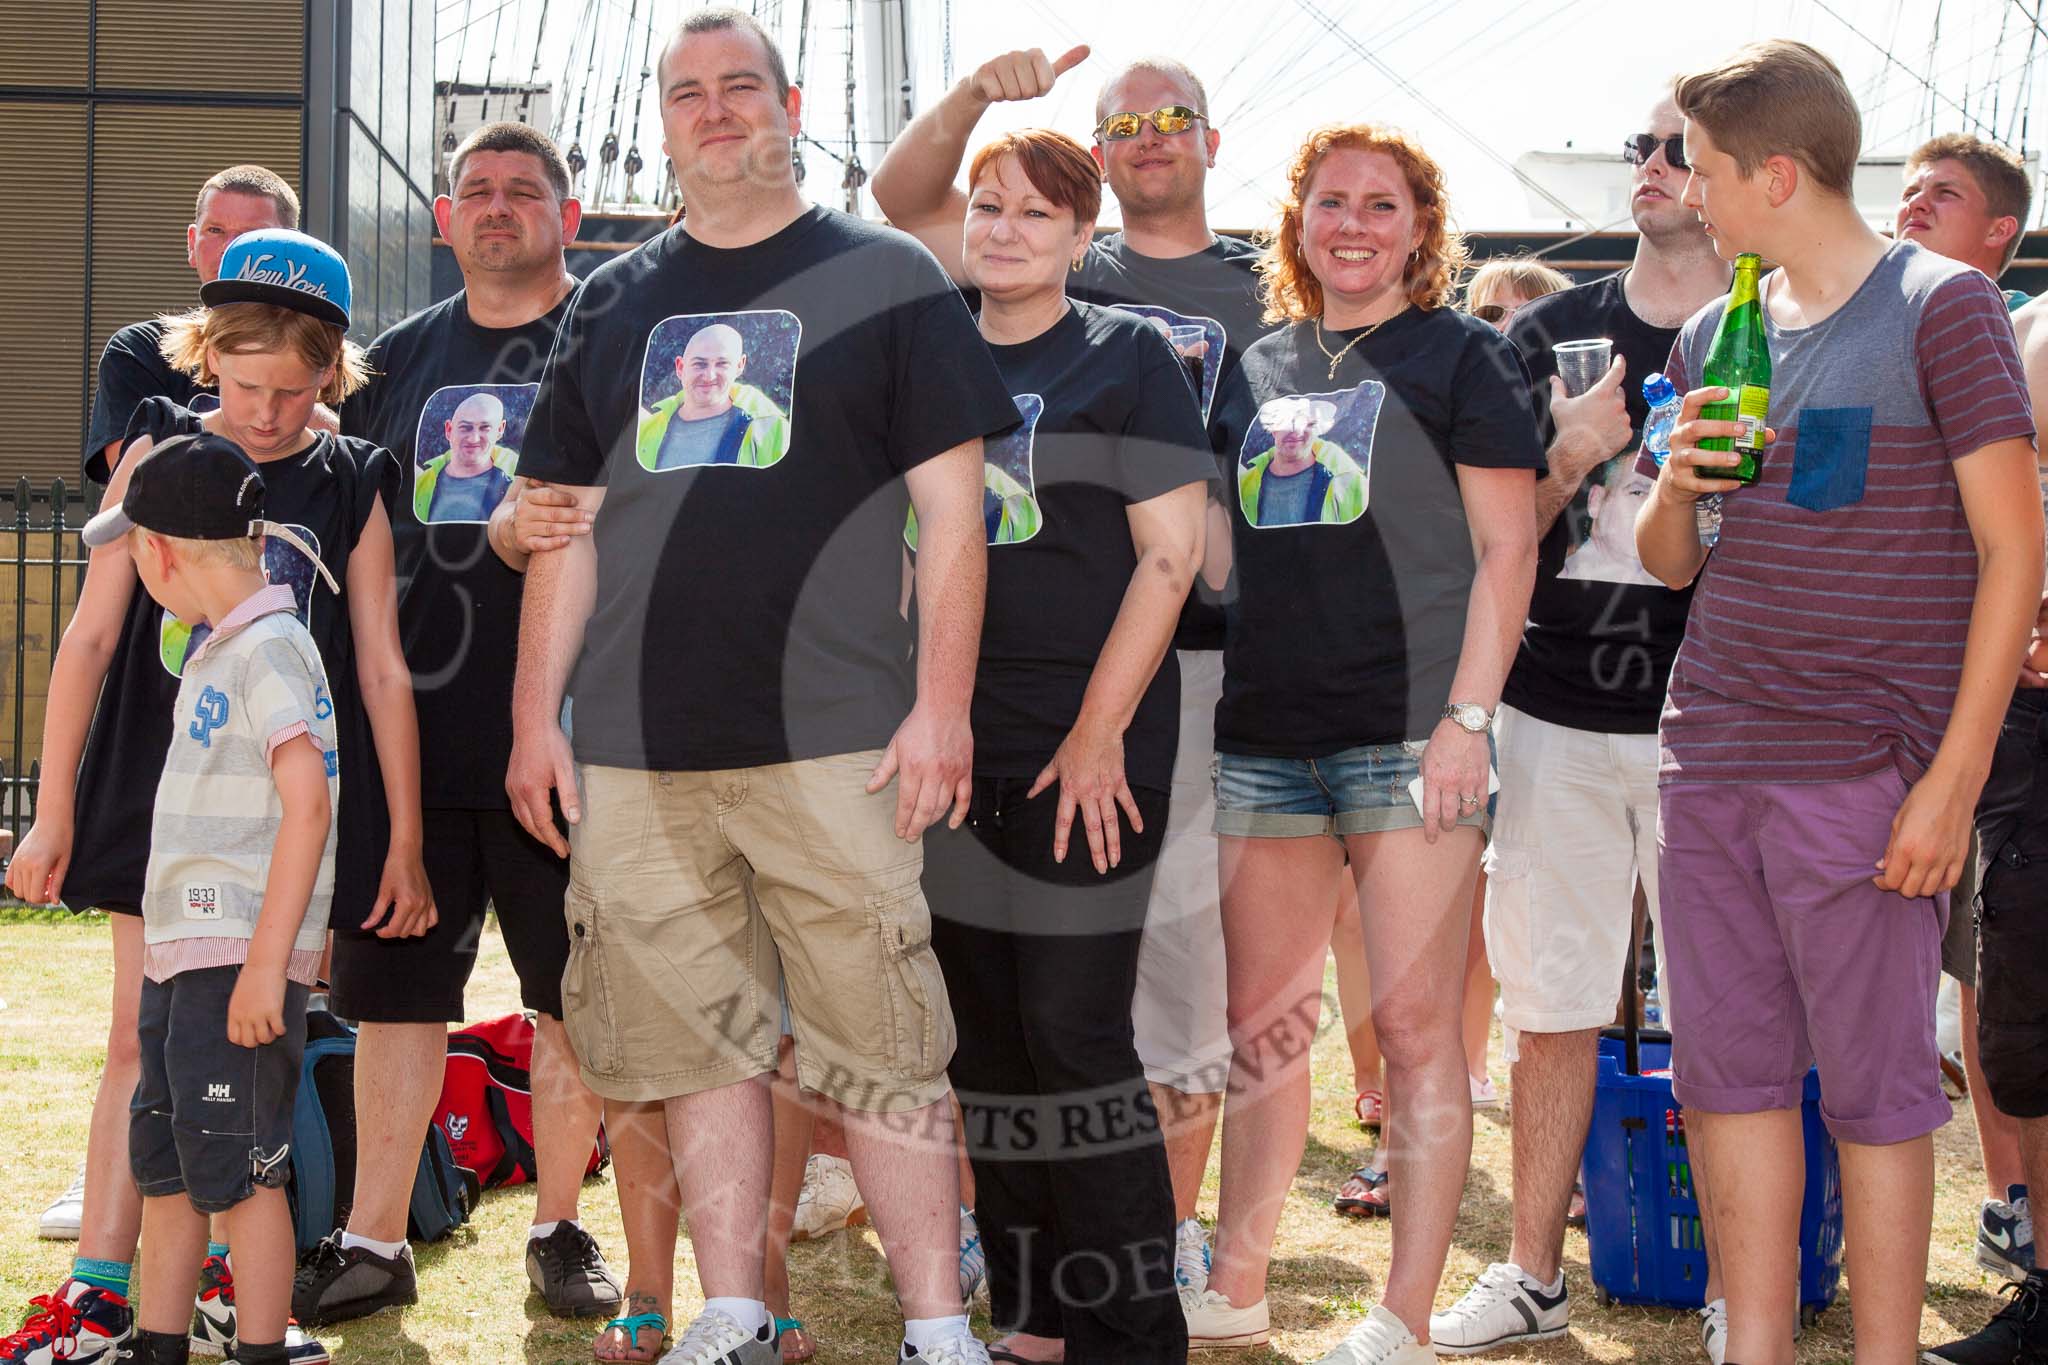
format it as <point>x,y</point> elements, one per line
<point>569,1271</point>
<point>336,1283</point>
<point>2018,1335</point>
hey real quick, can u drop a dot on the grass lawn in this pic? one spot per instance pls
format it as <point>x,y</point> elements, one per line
<point>55,972</point>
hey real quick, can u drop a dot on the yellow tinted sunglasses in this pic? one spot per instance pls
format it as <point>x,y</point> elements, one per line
<point>1167,121</point>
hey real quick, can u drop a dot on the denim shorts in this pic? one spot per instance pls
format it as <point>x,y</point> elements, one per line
<point>211,1119</point>
<point>1358,791</point>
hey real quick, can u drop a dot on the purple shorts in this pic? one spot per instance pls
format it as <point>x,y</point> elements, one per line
<point>1784,954</point>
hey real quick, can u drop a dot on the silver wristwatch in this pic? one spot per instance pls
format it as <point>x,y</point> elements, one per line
<point>1470,716</point>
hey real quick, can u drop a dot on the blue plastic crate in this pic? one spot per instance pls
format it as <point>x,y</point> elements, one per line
<point>1642,1220</point>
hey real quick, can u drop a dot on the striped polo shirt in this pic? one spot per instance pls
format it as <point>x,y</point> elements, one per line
<point>1825,640</point>
<point>253,684</point>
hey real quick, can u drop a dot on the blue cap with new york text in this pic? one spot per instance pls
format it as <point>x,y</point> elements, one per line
<point>286,269</point>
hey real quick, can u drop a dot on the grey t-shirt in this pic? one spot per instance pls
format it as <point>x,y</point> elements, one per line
<point>699,442</point>
<point>1284,498</point>
<point>470,499</point>
<point>1826,636</point>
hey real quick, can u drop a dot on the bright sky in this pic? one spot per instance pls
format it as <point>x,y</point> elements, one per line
<point>1479,81</point>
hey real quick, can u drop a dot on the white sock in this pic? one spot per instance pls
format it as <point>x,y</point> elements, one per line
<point>388,1250</point>
<point>921,1334</point>
<point>750,1314</point>
<point>1539,1287</point>
<point>541,1230</point>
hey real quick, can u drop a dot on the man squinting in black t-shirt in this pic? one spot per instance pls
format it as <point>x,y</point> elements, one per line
<point>450,399</point>
<point>741,674</point>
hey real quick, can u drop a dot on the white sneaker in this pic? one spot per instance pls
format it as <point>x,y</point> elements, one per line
<point>1191,1256</point>
<point>962,1349</point>
<point>60,1221</point>
<point>829,1200</point>
<point>1485,1095</point>
<point>1714,1331</point>
<point>1503,1305</point>
<point>715,1339</point>
<point>1382,1339</point>
<point>1214,1323</point>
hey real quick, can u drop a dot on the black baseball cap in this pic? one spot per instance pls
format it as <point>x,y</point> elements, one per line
<point>197,487</point>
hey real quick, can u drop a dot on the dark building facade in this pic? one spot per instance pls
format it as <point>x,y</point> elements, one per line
<point>114,112</point>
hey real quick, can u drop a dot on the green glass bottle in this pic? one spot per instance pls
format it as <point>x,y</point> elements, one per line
<point>1740,362</point>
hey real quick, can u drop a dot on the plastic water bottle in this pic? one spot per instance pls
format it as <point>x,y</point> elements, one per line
<point>1664,404</point>
<point>1664,401</point>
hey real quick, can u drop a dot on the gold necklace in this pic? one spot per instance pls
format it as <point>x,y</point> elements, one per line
<point>1336,359</point>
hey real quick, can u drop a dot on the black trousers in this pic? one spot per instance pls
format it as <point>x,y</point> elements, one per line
<point>1072,1191</point>
<point>2012,913</point>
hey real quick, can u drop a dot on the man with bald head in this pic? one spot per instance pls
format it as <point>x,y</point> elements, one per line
<point>713,418</point>
<point>468,480</point>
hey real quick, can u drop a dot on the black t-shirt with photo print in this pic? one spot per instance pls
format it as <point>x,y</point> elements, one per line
<point>1217,284</point>
<point>1347,627</point>
<point>443,385</point>
<point>1111,426</point>
<point>746,609</point>
<point>132,368</point>
<point>326,493</point>
<point>1600,642</point>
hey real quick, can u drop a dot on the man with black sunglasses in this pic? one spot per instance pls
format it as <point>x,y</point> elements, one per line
<point>1155,144</point>
<point>1576,826</point>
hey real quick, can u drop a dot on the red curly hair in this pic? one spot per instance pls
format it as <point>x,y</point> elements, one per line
<point>1287,288</point>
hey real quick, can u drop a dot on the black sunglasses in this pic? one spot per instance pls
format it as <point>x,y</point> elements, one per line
<point>1643,146</point>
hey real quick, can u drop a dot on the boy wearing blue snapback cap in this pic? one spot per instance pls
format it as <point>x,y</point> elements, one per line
<point>276,351</point>
<point>241,873</point>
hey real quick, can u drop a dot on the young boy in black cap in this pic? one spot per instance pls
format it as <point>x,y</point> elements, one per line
<point>235,902</point>
<point>272,338</point>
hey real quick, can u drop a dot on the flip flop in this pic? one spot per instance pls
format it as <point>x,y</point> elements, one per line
<point>1372,1203</point>
<point>632,1326</point>
<point>795,1342</point>
<point>1371,1108</point>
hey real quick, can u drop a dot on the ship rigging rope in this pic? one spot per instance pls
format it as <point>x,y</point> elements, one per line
<point>1931,89</point>
<point>1403,84</point>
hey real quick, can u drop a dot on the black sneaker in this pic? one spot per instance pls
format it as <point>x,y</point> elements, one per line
<point>335,1283</point>
<point>2018,1335</point>
<point>569,1271</point>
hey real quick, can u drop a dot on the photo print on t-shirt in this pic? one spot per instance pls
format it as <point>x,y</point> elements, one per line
<point>1009,495</point>
<point>718,389</point>
<point>467,449</point>
<point>1604,548</point>
<point>1199,343</point>
<point>282,563</point>
<point>1307,460</point>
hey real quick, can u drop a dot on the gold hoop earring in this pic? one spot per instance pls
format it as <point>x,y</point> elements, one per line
<point>1075,265</point>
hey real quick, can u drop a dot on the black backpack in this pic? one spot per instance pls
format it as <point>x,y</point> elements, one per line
<point>322,1189</point>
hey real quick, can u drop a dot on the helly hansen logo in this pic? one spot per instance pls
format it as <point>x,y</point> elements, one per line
<point>209,715</point>
<point>292,276</point>
<point>219,1092</point>
<point>457,1126</point>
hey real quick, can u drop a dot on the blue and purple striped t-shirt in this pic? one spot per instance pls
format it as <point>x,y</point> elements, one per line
<point>1825,640</point>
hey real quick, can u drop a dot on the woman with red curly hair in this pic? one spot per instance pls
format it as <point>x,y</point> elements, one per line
<point>1385,550</point>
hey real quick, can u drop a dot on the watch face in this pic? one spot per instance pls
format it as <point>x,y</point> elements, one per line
<point>1468,715</point>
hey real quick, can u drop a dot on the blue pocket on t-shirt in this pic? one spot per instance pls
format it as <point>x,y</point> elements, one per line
<point>1830,456</point>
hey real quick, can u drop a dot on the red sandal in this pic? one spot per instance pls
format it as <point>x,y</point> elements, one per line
<point>1371,1108</point>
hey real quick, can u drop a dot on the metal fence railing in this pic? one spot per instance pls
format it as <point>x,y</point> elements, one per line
<point>41,567</point>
